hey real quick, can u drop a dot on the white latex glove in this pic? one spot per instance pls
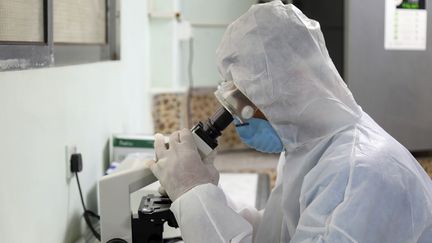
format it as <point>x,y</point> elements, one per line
<point>179,168</point>
<point>209,163</point>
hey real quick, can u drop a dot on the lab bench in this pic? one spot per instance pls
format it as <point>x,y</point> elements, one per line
<point>248,161</point>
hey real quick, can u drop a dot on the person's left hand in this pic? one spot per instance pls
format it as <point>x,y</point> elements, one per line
<point>179,167</point>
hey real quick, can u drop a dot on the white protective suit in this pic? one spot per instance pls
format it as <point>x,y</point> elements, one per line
<point>342,178</point>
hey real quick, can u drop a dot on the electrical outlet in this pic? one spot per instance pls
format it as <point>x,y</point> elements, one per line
<point>69,150</point>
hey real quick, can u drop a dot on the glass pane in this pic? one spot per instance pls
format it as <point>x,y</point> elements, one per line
<point>22,20</point>
<point>80,21</point>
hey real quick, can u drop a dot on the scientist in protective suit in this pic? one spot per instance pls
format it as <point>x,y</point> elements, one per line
<point>341,177</point>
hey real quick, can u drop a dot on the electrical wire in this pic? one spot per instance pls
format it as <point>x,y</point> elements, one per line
<point>88,213</point>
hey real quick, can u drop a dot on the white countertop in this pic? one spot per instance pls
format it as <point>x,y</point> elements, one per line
<point>243,160</point>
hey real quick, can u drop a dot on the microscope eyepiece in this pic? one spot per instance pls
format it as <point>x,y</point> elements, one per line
<point>211,129</point>
<point>218,122</point>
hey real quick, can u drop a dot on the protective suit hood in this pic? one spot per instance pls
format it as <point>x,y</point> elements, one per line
<point>271,55</point>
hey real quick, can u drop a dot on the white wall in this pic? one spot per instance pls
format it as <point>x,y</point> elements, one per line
<point>209,20</point>
<point>170,56</point>
<point>43,110</point>
<point>163,42</point>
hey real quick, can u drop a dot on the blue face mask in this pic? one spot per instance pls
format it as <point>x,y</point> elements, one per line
<point>259,135</point>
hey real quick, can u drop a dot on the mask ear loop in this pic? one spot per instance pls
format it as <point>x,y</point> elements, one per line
<point>242,124</point>
<point>238,123</point>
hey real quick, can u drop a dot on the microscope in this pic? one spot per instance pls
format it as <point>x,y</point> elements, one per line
<point>120,225</point>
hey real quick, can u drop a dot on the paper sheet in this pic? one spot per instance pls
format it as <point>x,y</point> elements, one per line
<point>405,25</point>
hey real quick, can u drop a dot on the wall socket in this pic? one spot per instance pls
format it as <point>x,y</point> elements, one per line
<point>69,150</point>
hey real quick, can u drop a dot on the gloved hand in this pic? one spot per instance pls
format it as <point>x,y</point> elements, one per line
<point>209,163</point>
<point>179,168</point>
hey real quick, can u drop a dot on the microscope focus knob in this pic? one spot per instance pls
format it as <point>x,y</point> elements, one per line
<point>117,240</point>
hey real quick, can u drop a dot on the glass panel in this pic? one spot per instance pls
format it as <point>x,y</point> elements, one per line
<point>80,21</point>
<point>22,20</point>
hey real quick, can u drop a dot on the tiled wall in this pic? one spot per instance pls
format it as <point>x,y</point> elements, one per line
<point>426,164</point>
<point>169,111</point>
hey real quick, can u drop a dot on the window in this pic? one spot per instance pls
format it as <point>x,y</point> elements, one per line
<point>72,18</point>
<point>25,36</point>
<point>40,33</point>
<point>22,20</point>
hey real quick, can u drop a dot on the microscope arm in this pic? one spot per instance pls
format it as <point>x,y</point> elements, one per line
<point>114,198</point>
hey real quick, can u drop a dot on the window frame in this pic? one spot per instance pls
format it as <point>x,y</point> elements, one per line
<point>15,55</point>
<point>89,53</point>
<point>27,55</point>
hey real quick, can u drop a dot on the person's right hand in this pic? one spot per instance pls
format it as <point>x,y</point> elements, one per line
<point>209,162</point>
<point>179,167</point>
